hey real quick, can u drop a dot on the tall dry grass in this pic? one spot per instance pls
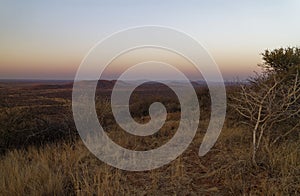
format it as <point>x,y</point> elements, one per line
<point>69,168</point>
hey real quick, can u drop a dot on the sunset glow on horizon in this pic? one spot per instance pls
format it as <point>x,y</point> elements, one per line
<point>48,40</point>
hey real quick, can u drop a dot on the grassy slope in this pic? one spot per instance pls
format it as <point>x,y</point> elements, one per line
<point>66,168</point>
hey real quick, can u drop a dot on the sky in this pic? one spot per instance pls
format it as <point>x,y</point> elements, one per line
<point>49,39</point>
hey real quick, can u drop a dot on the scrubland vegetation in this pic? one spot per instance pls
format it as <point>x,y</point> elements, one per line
<point>257,153</point>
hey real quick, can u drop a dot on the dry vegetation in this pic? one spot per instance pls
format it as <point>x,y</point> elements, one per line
<point>69,168</point>
<point>63,165</point>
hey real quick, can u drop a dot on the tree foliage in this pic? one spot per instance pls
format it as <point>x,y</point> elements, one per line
<point>281,59</point>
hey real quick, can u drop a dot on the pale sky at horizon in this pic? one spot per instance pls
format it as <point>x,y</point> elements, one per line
<point>48,40</point>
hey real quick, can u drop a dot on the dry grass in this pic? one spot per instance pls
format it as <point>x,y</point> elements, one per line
<point>278,172</point>
<point>66,168</point>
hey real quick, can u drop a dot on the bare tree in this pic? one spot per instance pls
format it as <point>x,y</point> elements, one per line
<point>266,103</point>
